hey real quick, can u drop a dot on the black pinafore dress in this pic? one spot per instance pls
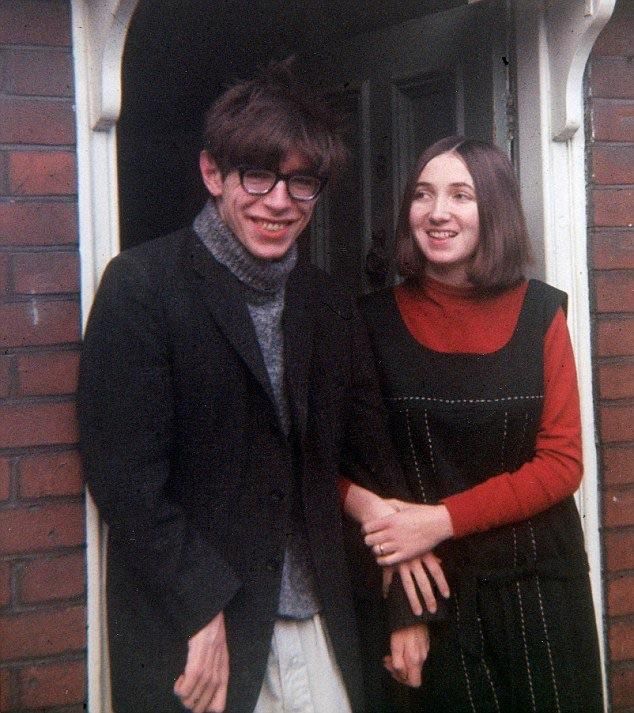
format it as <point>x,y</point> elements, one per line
<point>520,634</point>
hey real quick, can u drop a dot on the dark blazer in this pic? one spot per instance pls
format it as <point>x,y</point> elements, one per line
<point>187,462</point>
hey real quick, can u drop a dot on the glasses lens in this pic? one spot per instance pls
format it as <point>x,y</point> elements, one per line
<point>258,181</point>
<point>304,188</point>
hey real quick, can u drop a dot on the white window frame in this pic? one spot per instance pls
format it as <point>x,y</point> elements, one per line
<point>551,142</point>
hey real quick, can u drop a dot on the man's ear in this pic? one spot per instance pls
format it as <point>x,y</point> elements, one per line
<point>211,173</point>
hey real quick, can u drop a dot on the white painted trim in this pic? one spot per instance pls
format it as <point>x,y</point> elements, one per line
<point>572,28</point>
<point>553,45</point>
<point>99,30</point>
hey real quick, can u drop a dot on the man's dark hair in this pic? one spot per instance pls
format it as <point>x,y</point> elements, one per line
<point>260,121</point>
<point>503,248</point>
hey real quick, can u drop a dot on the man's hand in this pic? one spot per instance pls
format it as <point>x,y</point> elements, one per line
<point>363,505</point>
<point>411,532</point>
<point>202,687</point>
<point>416,572</point>
<point>409,648</point>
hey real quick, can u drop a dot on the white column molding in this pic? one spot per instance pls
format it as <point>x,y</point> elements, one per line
<point>554,41</point>
<point>104,25</point>
<point>99,30</point>
<point>572,27</point>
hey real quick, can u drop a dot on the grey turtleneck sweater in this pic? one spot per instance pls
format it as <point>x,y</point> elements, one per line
<point>263,284</point>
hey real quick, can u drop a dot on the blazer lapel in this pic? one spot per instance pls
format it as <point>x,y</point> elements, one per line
<point>298,345</point>
<point>219,290</point>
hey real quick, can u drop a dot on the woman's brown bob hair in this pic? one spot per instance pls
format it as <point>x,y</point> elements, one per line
<point>503,248</point>
<point>260,121</point>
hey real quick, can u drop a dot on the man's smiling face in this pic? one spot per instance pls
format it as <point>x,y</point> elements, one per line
<point>267,225</point>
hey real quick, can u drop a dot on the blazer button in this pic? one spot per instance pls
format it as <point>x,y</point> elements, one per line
<point>273,564</point>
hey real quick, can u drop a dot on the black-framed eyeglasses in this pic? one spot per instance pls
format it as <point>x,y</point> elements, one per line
<point>260,181</point>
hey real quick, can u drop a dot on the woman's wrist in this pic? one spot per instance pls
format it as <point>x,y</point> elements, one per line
<point>444,522</point>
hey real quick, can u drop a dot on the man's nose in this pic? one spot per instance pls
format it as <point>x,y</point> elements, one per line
<point>278,197</point>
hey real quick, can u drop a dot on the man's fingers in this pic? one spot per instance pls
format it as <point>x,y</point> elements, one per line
<point>388,576</point>
<point>219,699</point>
<point>434,567</point>
<point>410,590</point>
<point>414,676</point>
<point>398,662</point>
<point>420,575</point>
<point>202,688</point>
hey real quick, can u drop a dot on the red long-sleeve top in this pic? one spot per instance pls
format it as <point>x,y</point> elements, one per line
<point>450,319</point>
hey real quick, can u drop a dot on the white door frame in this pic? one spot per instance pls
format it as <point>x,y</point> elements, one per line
<point>553,38</point>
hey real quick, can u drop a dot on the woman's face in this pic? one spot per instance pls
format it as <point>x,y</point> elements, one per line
<point>444,218</point>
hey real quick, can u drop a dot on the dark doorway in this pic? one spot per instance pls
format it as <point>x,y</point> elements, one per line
<point>406,73</point>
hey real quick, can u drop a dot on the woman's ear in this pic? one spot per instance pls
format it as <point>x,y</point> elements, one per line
<point>211,174</point>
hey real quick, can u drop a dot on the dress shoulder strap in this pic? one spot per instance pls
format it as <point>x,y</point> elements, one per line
<point>542,302</point>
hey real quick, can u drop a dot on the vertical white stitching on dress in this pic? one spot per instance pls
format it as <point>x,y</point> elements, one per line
<point>543,614</point>
<point>413,452</point>
<point>523,435</point>
<point>519,597</point>
<point>464,663</point>
<point>506,422</point>
<point>486,668</point>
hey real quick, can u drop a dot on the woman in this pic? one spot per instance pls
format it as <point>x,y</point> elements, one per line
<point>479,379</point>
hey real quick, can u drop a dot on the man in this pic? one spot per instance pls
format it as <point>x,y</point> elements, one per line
<point>223,386</point>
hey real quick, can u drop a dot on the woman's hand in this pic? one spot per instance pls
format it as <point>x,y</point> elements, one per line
<point>416,573</point>
<point>409,648</point>
<point>411,532</point>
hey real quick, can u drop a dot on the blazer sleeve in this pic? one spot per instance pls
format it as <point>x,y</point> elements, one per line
<point>372,463</point>
<point>126,418</point>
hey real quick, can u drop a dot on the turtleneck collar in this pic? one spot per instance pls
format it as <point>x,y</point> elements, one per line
<point>268,276</point>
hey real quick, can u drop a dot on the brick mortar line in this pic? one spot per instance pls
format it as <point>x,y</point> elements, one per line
<point>35,503</point>
<point>28,451</point>
<point>38,249</point>
<point>67,48</point>
<point>45,148</point>
<point>612,187</point>
<point>78,657</point>
<point>28,199</point>
<point>617,360</point>
<point>55,98</point>
<point>28,557</point>
<point>24,298</point>
<point>45,607</point>
<point>33,349</point>
<point>614,529</point>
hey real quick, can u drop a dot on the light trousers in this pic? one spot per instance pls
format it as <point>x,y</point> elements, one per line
<point>302,675</point>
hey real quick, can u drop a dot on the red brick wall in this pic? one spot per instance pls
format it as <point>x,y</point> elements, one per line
<point>611,164</point>
<point>42,582</point>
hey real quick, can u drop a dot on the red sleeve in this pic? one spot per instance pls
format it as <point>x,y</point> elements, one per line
<point>554,472</point>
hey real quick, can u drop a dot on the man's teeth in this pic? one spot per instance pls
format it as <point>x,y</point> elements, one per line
<point>271,226</point>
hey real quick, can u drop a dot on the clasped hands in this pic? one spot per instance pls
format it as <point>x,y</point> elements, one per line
<point>402,542</point>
